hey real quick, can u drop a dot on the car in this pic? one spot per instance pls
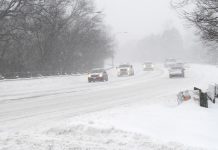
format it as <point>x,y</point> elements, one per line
<point>1,77</point>
<point>98,75</point>
<point>147,66</point>
<point>125,70</point>
<point>169,63</point>
<point>176,71</point>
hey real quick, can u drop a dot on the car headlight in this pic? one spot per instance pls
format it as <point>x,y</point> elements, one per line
<point>101,75</point>
<point>89,75</point>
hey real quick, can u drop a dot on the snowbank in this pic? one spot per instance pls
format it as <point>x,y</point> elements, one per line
<point>140,127</point>
<point>145,113</point>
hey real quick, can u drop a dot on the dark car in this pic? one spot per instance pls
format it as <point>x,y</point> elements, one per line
<point>98,75</point>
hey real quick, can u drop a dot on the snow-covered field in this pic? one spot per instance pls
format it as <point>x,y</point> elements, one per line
<point>129,113</point>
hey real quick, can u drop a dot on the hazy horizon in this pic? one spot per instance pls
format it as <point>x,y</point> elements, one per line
<point>132,21</point>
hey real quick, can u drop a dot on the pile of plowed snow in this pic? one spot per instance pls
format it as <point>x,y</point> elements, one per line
<point>159,125</point>
<point>152,127</point>
<point>83,137</point>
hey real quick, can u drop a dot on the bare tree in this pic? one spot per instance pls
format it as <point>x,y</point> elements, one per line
<point>10,7</point>
<point>51,36</point>
<point>203,14</point>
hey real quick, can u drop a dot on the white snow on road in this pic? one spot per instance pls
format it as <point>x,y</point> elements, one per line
<point>129,113</point>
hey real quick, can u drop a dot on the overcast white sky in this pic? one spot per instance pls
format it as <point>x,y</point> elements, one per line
<point>140,18</point>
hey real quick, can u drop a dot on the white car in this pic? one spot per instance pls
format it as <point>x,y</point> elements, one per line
<point>147,66</point>
<point>125,70</point>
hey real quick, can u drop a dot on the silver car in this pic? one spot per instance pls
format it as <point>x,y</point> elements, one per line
<point>176,72</point>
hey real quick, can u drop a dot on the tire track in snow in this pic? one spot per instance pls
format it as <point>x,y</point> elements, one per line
<point>107,103</point>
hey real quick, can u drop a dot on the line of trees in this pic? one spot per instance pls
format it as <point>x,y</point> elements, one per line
<point>52,36</point>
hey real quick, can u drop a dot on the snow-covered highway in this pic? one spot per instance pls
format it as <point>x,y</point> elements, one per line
<point>32,105</point>
<point>51,98</point>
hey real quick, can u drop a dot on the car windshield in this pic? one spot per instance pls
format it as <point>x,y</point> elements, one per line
<point>175,68</point>
<point>170,60</point>
<point>179,64</point>
<point>97,71</point>
<point>124,66</point>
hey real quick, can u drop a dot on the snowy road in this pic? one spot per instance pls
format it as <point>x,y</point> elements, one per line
<point>57,97</point>
<point>40,102</point>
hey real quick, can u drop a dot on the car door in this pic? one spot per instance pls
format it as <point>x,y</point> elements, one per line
<point>105,75</point>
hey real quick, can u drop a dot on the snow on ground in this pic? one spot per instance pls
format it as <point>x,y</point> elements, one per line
<point>136,113</point>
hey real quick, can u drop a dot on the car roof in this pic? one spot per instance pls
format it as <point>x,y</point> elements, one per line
<point>176,67</point>
<point>170,59</point>
<point>124,65</point>
<point>97,69</point>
